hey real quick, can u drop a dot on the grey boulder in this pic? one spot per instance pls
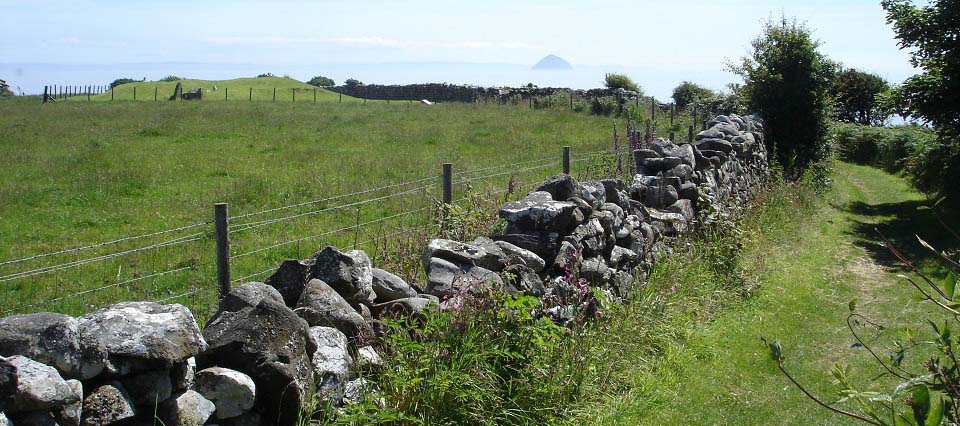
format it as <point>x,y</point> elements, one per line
<point>272,345</point>
<point>55,340</point>
<point>539,211</point>
<point>332,363</point>
<point>349,273</point>
<point>148,389</point>
<point>187,409</point>
<point>232,392</point>
<point>290,279</point>
<point>390,287</point>
<point>514,255</point>
<point>455,251</point>
<point>446,279</point>
<point>321,305</point>
<point>107,405</point>
<point>249,294</point>
<point>39,386</point>
<point>140,336</point>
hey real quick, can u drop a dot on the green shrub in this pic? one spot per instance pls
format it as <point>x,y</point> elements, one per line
<point>171,78</point>
<point>786,80</point>
<point>686,93</point>
<point>321,81</point>
<point>621,81</point>
<point>5,91</point>
<point>488,359</point>
<point>120,81</point>
<point>932,166</point>
<point>603,106</point>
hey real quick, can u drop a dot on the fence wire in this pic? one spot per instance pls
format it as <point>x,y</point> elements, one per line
<point>163,266</point>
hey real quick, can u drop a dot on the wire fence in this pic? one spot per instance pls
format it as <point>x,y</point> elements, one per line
<point>390,223</point>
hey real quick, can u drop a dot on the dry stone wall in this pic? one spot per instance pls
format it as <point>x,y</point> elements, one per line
<point>307,334</point>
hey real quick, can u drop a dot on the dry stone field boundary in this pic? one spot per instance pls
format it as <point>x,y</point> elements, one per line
<point>305,335</point>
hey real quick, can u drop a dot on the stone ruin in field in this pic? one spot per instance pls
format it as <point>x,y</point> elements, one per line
<point>180,95</point>
<point>309,330</point>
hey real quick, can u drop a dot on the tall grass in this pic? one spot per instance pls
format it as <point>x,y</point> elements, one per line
<point>496,359</point>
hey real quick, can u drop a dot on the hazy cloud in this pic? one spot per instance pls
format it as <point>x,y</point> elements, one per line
<point>367,41</point>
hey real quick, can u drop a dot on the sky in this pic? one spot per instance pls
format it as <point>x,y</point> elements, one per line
<point>660,41</point>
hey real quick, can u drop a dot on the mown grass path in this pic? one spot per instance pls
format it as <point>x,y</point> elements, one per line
<point>719,372</point>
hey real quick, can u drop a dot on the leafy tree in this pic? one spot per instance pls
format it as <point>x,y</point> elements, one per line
<point>5,91</point>
<point>933,34</point>
<point>171,78</point>
<point>856,97</point>
<point>620,81</point>
<point>688,93</point>
<point>266,74</point>
<point>120,81</point>
<point>787,80</point>
<point>321,81</point>
<point>352,82</point>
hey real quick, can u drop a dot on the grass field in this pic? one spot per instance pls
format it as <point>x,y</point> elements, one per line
<point>239,89</point>
<point>79,173</point>
<point>701,361</point>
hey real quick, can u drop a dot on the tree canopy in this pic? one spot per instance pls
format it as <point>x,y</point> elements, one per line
<point>786,80</point>
<point>687,93</point>
<point>321,81</point>
<point>933,34</point>
<point>856,97</point>
<point>620,81</point>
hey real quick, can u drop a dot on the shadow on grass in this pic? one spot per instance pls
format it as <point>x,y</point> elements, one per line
<point>901,223</point>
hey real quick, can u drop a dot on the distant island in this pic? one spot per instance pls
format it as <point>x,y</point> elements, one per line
<point>553,63</point>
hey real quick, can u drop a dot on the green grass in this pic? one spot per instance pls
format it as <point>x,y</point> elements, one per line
<point>78,173</point>
<point>239,89</point>
<point>706,363</point>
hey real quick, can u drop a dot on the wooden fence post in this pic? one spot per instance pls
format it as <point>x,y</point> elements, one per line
<point>223,248</point>
<point>155,90</point>
<point>690,134</point>
<point>447,183</point>
<point>341,97</point>
<point>314,95</point>
<point>250,96</point>
<point>46,94</point>
<point>274,94</point>
<point>111,93</point>
<point>293,92</point>
<point>566,160</point>
<point>226,94</point>
<point>653,110</point>
<point>134,92</point>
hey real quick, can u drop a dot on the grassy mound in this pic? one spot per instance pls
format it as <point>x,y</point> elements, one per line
<point>238,89</point>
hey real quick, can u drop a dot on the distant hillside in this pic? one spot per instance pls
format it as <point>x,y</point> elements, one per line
<point>552,62</point>
<point>240,89</point>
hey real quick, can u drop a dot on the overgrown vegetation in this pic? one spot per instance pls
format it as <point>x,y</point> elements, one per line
<point>910,149</point>
<point>786,80</point>
<point>498,359</point>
